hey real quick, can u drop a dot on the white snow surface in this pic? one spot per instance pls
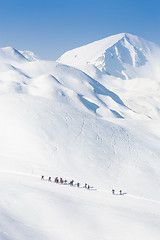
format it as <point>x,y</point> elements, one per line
<point>34,209</point>
<point>57,120</point>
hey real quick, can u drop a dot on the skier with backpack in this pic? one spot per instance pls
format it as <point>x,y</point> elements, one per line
<point>61,180</point>
<point>71,182</point>
<point>56,180</point>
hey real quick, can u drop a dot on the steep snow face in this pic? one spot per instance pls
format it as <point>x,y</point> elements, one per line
<point>119,55</point>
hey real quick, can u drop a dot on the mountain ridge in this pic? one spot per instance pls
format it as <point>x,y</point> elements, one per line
<point>113,55</point>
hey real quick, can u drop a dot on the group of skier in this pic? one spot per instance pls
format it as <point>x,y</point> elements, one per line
<point>120,192</point>
<point>71,183</point>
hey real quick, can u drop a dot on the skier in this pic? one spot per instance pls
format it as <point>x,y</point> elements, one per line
<point>85,185</point>
<point>42,178</point>
<point>71,182</point>
<point>56,180</point>
<point>65,181</point>
<point>113,191</point>
<point>61,180</point>
<point>78,184</point>
<point>120,192</point>
<point>49,179</point>
<point>88,187</point>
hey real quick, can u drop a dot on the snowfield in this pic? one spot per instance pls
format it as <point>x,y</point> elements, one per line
<point>94,118</point>
<point>34,209</point>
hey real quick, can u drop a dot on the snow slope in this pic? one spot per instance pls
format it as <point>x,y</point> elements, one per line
<point>58,121</point>
<point>34,209</point>
<point>47,137</point>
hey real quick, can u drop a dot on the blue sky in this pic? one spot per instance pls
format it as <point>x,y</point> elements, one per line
<point>51,27</point>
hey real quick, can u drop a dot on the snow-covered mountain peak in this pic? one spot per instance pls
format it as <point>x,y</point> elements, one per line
<point>12,58</point>
<point>11,53</point>
<point>118,55</point>
<point>29,55</point>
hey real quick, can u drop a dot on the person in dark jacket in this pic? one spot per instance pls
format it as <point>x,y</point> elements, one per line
<point>113,191</point>
<point>71,182</point>
<point>61,180</point>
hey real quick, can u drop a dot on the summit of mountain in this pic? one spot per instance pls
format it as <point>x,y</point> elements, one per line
<point>119,55</point>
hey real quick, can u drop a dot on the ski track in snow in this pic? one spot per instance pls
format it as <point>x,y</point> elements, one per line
<point>81,128</point>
